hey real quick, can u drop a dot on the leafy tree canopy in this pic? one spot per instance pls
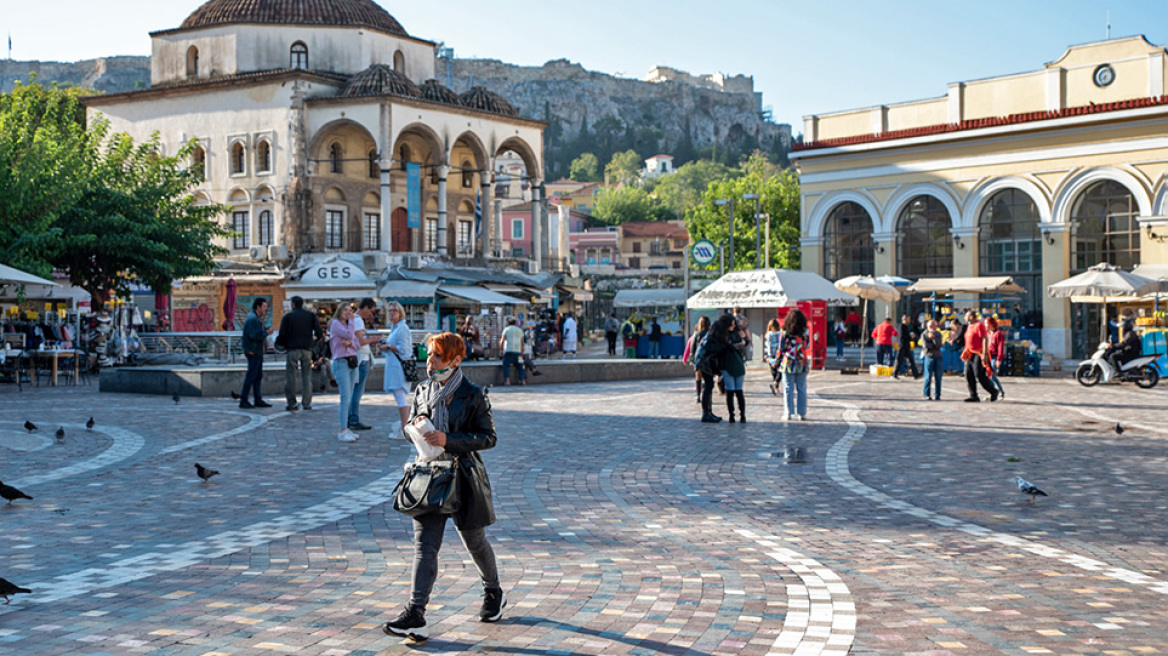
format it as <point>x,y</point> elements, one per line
<point>585,168</point>
<point>617,205</point>
<point>682,190</point>
<point>624,169</point>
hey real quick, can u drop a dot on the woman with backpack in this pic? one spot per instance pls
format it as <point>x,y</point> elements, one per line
<point>793,365</point>
<point>724,343</point>
<point>703,382</point>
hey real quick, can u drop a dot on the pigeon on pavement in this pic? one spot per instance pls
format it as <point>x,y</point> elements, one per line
<point>60,433</point>
<point>29,426</point>
<point>11,494</point>
<point>176,398</point>
<point>8,588</point>
<point>90,424</point>
<point>205,473</point>
<point>1118,429</point>
<point>794,455</point>
<point>1027,487</point>
<point>235,395</point>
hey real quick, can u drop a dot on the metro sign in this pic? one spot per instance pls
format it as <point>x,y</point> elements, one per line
<point>704,252</point>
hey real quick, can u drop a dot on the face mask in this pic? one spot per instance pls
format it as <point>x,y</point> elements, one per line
<point>442,375</point>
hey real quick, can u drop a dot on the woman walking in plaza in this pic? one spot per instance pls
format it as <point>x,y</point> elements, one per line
<point>703,382</point>
<point>398,347</point>
<point>726,344</point>
<point>463,426</point>
<point>931,360</point>
<point>343,342</point>
<point>770,346</point>
<point>995,353</point>
<point>793,364</point>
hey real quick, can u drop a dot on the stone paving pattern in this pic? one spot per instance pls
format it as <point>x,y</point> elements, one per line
<point>625,526</point>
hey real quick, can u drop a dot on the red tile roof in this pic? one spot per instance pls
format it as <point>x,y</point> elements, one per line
<point>654,229</point>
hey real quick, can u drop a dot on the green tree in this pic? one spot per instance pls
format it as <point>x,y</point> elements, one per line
<point>682,190</point>
<point>624,169</point>
<point>585,168</point>
<point>779,190</point>
<point>616,205</point>
<point>140,223</point>
<point>46,161</point>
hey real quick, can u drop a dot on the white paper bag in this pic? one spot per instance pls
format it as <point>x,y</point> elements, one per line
<point>415,431</point>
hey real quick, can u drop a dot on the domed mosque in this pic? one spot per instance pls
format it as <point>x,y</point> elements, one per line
<point>322,126</point>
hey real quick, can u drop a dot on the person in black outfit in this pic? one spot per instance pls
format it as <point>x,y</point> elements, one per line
<point>299,330</point>
<point>904,352</point>
<point>655,340</point>
<point>254,342</point>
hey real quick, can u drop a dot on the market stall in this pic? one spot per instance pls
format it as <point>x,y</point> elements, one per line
<point>1106,284</point>
<point>668,306</point>
<point>1022,356</point>
<point>868,288</point>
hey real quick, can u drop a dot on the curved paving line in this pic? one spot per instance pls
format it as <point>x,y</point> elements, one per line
<point>254,421</point>
<point>125,445</point>
<point>839,471</point>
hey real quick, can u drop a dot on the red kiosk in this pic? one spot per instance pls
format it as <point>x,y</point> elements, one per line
<point>816,313</point>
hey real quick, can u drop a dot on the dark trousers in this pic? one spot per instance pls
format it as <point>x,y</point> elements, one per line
<point>902,357</point>
<point>884,354</point>
<point>298,362</point>
<point>512,360</point>
<point>975,373</point>
<point>428,532</point>
<point>611,337</point>
<point>255,374</point>
<point>707,394</point>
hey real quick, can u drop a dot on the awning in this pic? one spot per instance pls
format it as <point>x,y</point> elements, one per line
<point>768,288</point>
<point>643,298</point>
<point>577,293</point>
<point>399,290</point>
<point>1152,271</point>
<point>480,295</point>
<point>982,285</point>
<point>8,275</point>
<point>353,294</point>
<point>507,289</point>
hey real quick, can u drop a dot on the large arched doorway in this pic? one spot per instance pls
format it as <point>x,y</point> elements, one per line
<point>847,242</point>
<point>924,247</point>
<point>400,230</point>
<point>1104,228</point>
<point>1010,244</point>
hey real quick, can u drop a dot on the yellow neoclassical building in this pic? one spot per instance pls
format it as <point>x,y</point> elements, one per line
<point>1036,175</point>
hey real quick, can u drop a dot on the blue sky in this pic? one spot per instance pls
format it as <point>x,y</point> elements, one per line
<point>806,57</point>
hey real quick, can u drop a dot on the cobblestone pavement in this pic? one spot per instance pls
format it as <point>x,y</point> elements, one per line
<point>625,526</point>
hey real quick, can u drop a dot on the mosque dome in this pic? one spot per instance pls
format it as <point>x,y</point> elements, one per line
<point>380,80</point>
<point>487,101</point>
<point>342,13</point>
<point>434,91</point>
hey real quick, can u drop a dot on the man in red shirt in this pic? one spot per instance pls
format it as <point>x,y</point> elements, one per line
<point>996,343</point>
<point>976,347</point>
<point>883,336</point>
<point>853,322</point>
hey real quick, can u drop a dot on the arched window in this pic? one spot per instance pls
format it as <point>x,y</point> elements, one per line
<point>467,174</point>
<point>199,160</point>
<point>238,159</point>
<point>334,218</point>
<point>1105,227</point>
<point>374,165</point>
<point>1010,244</point>
<point>847,243</point>
<point>266,227</point>
<point>399,62</point>
<point>335,158</point>
<point>192,61</point>
<point>371,225</point>
<point>924,246</point>
<point>264,157</point>
<point>239,219</point>
<point>299,56</point>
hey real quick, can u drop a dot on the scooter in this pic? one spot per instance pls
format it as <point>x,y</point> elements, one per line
<point>1143,371</point>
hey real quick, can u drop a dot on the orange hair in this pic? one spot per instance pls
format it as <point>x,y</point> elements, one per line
<point>447,345</point>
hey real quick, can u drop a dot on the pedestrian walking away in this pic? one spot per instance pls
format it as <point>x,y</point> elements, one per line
<point>995,353</point>
<point>463,426</point>
<point>854,331</point>
<point>253,342</point>
<point>726,343</point>
<point>883,336</point>
<point>511,345</point>
<point>343,343</point>
<point>654,340</point>
<point>569,336</point>
<point>793,363</point>
<point>974,357</point>
<point>841,335</point>
<point>611,329</point>
<point>770,344</point>
<point>362,318</point>
<point>904,352</point>
<point>398,346</point>
<point>931,342</point>
<point>299,331</point>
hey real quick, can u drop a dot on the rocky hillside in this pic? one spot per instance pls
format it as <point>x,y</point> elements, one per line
<point>107,74</point>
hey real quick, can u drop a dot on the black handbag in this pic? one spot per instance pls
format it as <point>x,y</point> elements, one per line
<point>352,360</point>
<point>409,367</point>
<point>428,488</point>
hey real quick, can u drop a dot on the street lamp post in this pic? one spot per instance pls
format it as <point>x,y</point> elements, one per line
<point>757,235</point>
<point>720,202</point>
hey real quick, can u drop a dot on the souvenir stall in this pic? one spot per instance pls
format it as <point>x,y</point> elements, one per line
<point>1152,312</point>
<point>668,305</point>
<point>40,321</point>
<point>761,293</point>
<point>489,310</point>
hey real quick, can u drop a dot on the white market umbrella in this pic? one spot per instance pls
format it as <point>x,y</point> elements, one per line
<point>869,289</point>
<point>1103,283</point>
<point>895,281</point>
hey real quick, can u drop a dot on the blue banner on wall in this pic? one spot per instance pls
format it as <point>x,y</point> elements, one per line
<point>414,194</point>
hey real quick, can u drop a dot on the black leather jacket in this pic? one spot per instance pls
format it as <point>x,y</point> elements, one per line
<point>471,429</point>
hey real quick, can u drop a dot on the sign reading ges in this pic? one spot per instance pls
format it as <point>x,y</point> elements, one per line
<point>334,272</point>
<point>704,252</point>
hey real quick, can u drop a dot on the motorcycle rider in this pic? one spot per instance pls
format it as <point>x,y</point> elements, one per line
<point>1129,348</point>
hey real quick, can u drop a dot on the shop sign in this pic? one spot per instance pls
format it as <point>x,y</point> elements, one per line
<point>331,273</point>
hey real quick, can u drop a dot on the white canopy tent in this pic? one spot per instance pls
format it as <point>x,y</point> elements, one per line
<point>10,276</point>
<point>768,288</point>
<point>645,298</point>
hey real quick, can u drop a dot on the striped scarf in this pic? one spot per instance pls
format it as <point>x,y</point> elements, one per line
<point>439,401</point>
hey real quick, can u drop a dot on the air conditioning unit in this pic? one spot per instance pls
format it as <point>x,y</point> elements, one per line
<point>278,252</point>
<point>531,266</point>
<point>374,261</point>
<point>258,253</point>
<point>412,262</point>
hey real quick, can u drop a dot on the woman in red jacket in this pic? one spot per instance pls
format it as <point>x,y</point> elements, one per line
<point>997,352</point>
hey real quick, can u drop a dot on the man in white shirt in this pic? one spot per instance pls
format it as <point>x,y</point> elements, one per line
<point>511,344</point>
<point>365,359</point>
<point>570,335</point>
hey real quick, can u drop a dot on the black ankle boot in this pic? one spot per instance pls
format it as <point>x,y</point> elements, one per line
<point>741,405</point>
